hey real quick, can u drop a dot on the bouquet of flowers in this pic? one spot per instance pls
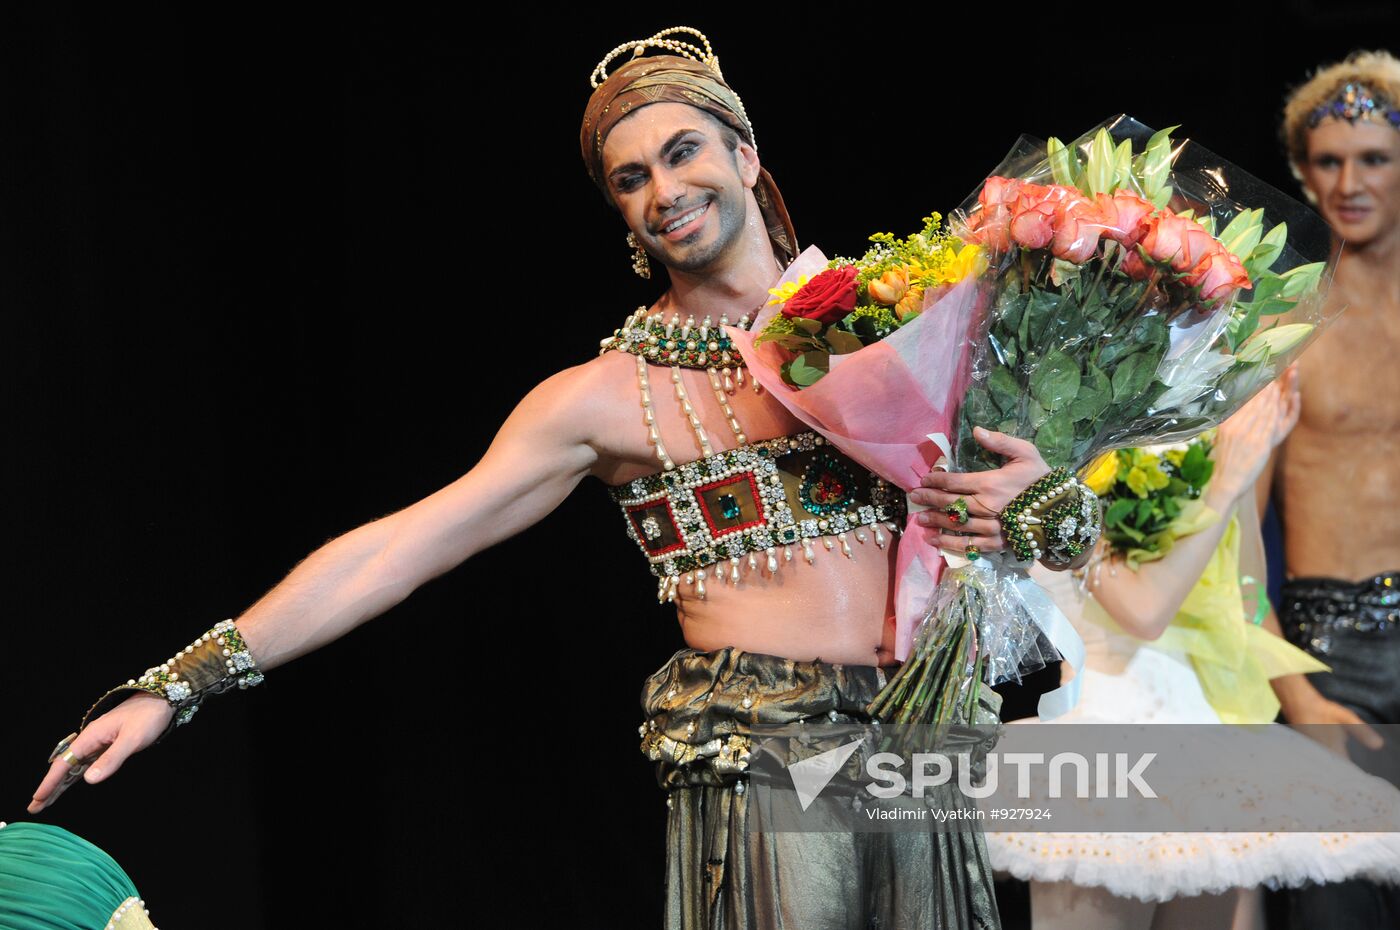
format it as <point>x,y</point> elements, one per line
<point>1119,295</point>
<point>1145,494</point>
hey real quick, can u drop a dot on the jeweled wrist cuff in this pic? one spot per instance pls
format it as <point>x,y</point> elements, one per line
<point>215,662</point>
<point>1054,520</point>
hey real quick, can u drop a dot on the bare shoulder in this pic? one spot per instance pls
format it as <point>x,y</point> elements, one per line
<point>594,404</point>
<point>592,389</point>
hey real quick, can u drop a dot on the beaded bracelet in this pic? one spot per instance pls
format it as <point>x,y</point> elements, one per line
<point>215,662</point>
<point>1056,519</point>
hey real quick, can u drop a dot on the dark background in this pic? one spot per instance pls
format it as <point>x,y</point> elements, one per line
<point>265,278</point>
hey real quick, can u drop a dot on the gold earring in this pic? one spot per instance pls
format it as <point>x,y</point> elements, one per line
<point>640,264</point>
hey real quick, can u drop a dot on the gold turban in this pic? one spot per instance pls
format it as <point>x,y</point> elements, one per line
<point>672,79</point>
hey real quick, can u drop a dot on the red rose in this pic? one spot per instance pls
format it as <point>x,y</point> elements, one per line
<point>826,298</point>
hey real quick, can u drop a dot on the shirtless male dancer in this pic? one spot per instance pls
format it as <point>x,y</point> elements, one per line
<point>710,477</point>
<point>1335,477</point>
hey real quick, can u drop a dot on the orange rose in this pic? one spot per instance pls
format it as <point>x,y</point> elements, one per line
<point>890,288</point>
<point>1179,240</point>
<point>1078,225</point>
<point>1033,216</point>
<point>1124,217</point>
<point>1135,268</point>
<point>1218,275</point>
<point>990,226</point>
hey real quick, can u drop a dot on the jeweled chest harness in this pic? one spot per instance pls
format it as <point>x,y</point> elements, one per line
<point>742,503</point>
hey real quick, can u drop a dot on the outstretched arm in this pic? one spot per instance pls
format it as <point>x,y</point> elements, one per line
<point>539,455</point>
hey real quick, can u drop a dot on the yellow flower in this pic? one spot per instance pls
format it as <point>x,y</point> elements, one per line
<point>1147,476</point>
<point>783,292</point>
<point>1176,456</point>
<point>970,261</point>
<point>1103,474</point>
<point>890,288</point>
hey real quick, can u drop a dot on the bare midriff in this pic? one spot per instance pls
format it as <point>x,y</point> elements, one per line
<point>1339,471</point>
<point>836,609</point>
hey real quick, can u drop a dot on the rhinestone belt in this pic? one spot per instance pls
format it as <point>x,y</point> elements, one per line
<point>1315,609</point>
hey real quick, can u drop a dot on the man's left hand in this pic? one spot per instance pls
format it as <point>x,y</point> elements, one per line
<point>986,493</point>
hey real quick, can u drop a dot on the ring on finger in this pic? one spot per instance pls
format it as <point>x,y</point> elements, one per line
<point>62,746</point>
<point>957,511</point>
<point>71,758</point>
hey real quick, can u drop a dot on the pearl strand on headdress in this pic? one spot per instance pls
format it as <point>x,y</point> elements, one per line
<point>706,57</point>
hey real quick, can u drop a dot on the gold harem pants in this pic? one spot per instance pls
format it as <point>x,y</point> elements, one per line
<point>719,876</point>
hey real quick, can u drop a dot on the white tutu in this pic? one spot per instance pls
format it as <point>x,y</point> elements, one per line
<point>1129,681</point>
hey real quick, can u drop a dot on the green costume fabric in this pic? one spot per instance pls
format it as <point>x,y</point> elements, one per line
<point>719,876</point>
<point>53,880</point>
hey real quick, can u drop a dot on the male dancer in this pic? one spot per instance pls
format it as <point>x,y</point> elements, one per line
<point>672,149</point>
<point>1341,600</point>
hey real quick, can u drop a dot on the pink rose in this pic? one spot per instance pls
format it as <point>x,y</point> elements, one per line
<point>1033,214</point>
<point>1135,268</point>
<point>989,226</point>
<point>1078,225</point>
<point>1218,275</point>
<point>1179,240</point>
<point>1124,217</point>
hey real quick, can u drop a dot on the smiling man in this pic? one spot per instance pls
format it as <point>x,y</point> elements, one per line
<point>715,483</point>
<point>1336,475</point>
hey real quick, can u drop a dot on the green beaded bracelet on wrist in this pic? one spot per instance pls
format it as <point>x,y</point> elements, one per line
<point>215,662</point>
<point>1056,519</point>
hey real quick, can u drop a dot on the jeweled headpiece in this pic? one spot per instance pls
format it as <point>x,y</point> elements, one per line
<point>688,74</point>
<point>1355,101</point>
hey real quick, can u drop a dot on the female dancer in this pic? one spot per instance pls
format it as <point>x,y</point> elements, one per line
<point>1169,643</point>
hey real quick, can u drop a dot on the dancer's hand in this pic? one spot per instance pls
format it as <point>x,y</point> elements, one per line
<point>104,744</point>
<point>1244,442</point>
<point>986,493</point>
<point>1338,722</point>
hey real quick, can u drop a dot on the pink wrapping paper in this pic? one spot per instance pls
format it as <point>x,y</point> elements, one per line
<point>879,406</point>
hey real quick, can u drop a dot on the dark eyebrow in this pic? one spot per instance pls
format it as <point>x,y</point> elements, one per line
<point>666,148</point>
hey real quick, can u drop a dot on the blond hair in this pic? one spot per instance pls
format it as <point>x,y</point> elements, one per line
<point>1378,71</point>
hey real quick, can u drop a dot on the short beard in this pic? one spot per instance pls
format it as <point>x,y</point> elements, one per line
<point>729,228</point>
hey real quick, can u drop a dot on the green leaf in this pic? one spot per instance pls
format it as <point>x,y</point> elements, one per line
<point>1132,533</point>
<point>1098,173</point>
<point>1264,254</point>
<point>1005,349</point>
<point>842,342</point>
<point>808,368</point>
<point>1133,375</point>
<point>1055,438</point>
<point>1157,163</point>
<point>1243,242</point>
<point>1144,510</point>
<point>1036,415</point>
<point>1061,165</point>
<point>1094,394</point>
<point>1242,327</point>
<point>1241,224</point>
<point>1193,464</point>
<point>1039,312</point>
<point>1055,380</point>
<point>1118,511</point>
<point>1303,279</point>
<point>1123,165</point>
<point>979,409</point>
<point>1004,389</point>
<point>808,326</point>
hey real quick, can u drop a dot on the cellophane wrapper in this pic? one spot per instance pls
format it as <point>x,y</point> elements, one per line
<point>1087,344</point>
